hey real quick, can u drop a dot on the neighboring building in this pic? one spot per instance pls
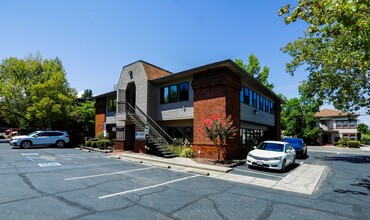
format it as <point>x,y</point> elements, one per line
<point>105,113</point>
<point>172,106</point>
<point>336,124</point>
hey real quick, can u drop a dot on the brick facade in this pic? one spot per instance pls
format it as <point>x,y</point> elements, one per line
<point>139,147</point>
<point>99,115</point>
<point>216,92</point>
<point>119,145</point>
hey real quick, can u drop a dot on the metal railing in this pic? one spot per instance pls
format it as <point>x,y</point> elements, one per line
<point>153,126</point>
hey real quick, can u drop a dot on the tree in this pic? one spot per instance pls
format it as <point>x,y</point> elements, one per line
<point>35,93</point>
<point>218,130</point>
<point>362,128</point>
<point>298,119</point>
<point>253,68</point>
<point>84,115</point>
<point>334,49</point>
<point>87,94</point>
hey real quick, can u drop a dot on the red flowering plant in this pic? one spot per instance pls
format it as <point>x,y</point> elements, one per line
<point>218,130</point>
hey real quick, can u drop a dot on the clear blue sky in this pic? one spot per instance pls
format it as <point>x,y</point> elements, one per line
<point>95,39</point>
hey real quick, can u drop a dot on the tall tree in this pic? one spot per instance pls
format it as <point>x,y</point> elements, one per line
<point>84,115</point>
<point>35,92</point>
<point>253,68</point>
<point>87,94</point>
<point>298,119</point>
<point>334,49</point>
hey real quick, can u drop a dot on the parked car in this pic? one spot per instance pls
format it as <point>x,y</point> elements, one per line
<point>11,131</point>
<point>59,138</point>
<point>298,144</point>
<point>275,155</point>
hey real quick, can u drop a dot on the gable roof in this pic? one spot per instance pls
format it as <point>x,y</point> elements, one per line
<point>331,113</point>
<point>154,72</point>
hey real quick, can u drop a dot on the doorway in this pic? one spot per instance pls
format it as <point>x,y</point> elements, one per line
<point>131,96</point>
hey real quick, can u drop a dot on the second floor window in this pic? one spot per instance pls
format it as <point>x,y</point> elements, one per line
<point>112,105</point>
<point>346,124</point>
<point>175,93</point>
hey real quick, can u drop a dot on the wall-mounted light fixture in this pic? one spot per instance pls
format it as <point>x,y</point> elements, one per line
<point>255,112</point>
<point>131,74</point>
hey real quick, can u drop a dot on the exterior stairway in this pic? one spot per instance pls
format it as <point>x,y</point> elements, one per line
<point>156,134</point>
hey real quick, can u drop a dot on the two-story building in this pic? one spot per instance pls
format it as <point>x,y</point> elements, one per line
<point>335,124</point>
<point>154,103</point>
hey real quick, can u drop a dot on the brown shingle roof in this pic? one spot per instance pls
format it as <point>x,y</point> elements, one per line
<point>330,113</point>
<point>154,72</point>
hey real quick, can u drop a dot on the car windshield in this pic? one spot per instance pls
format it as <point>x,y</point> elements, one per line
<point>271,147</point>
<point>293,140</point>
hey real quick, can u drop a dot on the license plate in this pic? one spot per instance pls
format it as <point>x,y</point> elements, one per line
<point>259,163</point>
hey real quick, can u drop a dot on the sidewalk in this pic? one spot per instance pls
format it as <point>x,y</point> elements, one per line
<point>363,149</point>
<point>302,180</point>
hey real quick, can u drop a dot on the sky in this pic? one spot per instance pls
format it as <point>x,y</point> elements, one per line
<point>96,38</point>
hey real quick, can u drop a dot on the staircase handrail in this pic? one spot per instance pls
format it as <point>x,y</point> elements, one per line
<point>154,127</point>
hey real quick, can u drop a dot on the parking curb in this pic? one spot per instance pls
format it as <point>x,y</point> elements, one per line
<point>167,161</point>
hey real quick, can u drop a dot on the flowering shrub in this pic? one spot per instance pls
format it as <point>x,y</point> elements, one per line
<point>218,130</point>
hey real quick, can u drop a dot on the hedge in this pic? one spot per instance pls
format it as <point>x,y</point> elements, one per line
<point>353,144</point>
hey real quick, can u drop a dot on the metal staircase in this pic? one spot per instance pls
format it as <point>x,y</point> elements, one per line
<point>156,135</point>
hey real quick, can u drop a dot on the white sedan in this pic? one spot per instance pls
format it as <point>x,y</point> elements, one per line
<point>273,155</point>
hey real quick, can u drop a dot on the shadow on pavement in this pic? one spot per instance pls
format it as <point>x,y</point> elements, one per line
<point>287,169</point>
<point>365,183</point>
<point>350,159</point>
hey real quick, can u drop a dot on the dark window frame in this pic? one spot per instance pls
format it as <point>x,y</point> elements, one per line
<point>179,97</point>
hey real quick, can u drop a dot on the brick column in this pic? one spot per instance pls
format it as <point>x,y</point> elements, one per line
<point>99,115</point>
<point>216,92</point>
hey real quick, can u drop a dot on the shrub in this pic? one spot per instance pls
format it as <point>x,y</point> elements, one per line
<point>187,152</point>
<point>365,139</point>
<point>343,141</point>
<point>103,143</point>
<point>353,144</point>
<point>175,149</point>
<point>2,136</point>
<point>94,143</point>
<point>88,143</point>
<point>100,136</point>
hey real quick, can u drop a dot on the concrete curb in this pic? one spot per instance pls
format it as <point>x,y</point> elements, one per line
<point>142,158</point>
<point>4,140</point>
<point>93,149</point>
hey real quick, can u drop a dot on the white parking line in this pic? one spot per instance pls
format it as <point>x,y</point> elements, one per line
<point>245,171</point>
<point>107,174</point>
<point>148,187</point>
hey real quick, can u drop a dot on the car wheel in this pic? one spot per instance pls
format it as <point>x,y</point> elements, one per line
<point>283,166</point>
<point>26,144</point>
<point>60,144</point>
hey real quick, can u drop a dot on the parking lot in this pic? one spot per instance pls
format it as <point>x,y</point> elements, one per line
<point>52,183</point>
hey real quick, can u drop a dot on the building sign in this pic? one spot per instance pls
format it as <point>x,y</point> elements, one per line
<point>120,128</point>
<point>140,136</point>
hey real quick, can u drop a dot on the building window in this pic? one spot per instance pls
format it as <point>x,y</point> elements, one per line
<point>183,92</point>
<point>251,137</point>
<point>175,93</point>
<point>180,134</point>
<point>112,105</point>
<point>352,124</point>
<point>242,95</point>
<point>261,103</point>
<point>339,124</point>
<point>254,99</point>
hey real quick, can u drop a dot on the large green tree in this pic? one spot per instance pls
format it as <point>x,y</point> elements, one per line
<point>84,115</point>
<point>362,128</point>
<point>35,93</point>
<point>87,94</point>
<point>298,119</point>
<point>253,68</point>
<point>334,50</point>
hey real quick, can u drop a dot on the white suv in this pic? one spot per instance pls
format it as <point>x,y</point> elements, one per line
<point>59,138</point>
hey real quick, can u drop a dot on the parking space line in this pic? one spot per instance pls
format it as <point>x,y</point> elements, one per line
<point>147,187</point>
<point>31,159</point>
<point>107,174</point>
<point>281,177</point>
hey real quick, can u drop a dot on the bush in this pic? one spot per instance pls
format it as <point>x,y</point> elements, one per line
<point>187,152</point>
<point>103,143</point>
<point>88,143</point>
<point>175,149</point>
<point>2,136</point>
<point>365,139</point>
<point>353,144</point>
<point>94,143</point>
<point>100,136</point>
<point>343,141</point>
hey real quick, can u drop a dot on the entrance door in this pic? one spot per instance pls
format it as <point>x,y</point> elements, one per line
<point>326,139</point>
<point>130,137</point>
<point>131,95</point>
